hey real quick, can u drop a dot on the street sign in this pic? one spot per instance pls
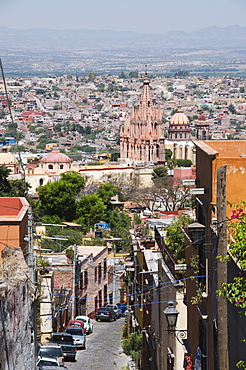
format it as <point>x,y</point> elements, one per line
<point>180,267</point>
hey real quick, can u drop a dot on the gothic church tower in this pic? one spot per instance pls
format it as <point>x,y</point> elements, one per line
<point>142,137</point>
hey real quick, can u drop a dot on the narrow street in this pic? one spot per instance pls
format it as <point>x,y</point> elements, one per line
<point>103,349</point>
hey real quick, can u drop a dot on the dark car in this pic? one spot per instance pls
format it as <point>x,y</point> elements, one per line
<point>122,307</point>
<point>105,314</point>
<point>116,309</point>
<point>66,342</point>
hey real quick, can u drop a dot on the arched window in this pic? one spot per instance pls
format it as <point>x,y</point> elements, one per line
<point>41,182</point>
<point>61,166</point>
<point>50,166</point>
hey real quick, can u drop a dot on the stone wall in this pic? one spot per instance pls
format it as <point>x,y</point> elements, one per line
<point>17,313</point>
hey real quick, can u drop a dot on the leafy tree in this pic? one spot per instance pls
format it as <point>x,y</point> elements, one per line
<point>59,197</point>
<point>184,162</point>
<point>122,75</point>
<point>159,172</point>
<point>88,149</point>
<point>89,210</point>
<point>181,73</point>
<point>133,74</point>
<point>132,346</point>
<point>232,108</point>
<point>12,188</point>
<point>120,223</point>
<point>106,192</point>
<point>168,154</point>
<point>92,76</point>
<point>5,186</point>
<point>175,239</point>
<point>235,291</point>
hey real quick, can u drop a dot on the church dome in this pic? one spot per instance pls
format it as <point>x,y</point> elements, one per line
<point>55,156</point>
<point>202,117</point>
<point>179,118</point>
<point>7,158</point>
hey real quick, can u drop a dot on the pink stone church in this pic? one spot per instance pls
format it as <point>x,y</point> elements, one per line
<point>142,137</point>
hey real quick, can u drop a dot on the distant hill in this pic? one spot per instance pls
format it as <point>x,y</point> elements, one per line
<point>231,37</point>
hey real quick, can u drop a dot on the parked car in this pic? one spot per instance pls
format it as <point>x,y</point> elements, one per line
<point>116,309</point>
<point>53,350</point>
<point>122,307</point>
<point>67,344</point>
<point>46,361</point>
<point>77,323</point>
<point>87,323</point>
<point>105,314</point>
<point>78,334</point>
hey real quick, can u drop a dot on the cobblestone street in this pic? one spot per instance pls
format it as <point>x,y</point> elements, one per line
<point>103,349</point>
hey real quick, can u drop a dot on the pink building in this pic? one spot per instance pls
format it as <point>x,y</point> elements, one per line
<point>142,137</point>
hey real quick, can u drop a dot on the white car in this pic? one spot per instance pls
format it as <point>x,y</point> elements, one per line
<point>46,361</point>
<point>78,334</point>
<point>87,323</point>
<point>53,350</point>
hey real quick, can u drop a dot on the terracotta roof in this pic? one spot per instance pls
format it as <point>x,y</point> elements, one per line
<point>55,156</point>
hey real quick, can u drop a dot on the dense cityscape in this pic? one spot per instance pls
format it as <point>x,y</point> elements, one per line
<point>122,185</point>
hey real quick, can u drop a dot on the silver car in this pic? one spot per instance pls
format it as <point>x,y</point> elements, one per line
<point>87,322</point>
<point>78,334</point>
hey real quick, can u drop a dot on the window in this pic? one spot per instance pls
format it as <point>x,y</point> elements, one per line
<point>41,182</point>
<point>99,273</point>
<point>86,277</point>
<point>50,167</point>
<point>100,298</point>
<point>61,167</point>
<point>104,268</point>
<point>81,281</point>
<point>95,274</point>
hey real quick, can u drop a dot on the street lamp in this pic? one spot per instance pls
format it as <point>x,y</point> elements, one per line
<point>171,314</point>
<point>196,232</point>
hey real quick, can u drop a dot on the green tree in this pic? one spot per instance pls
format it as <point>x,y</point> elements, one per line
<point>59,197</point>
<point>132,346</point>
<point>159,172</point>
<point>184,162</point>
<point>89,210</point>
<point>5,186</point>
<point>235,291</point>
<point>168,154</point>
<point>133,74</point>
<point>232,108</point>
<point>175,239</point>
<point>92,76</point>
<point>181,73</point>
<point>122,75</point>
<point>12,188</point>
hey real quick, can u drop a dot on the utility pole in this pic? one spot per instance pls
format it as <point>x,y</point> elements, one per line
<point>222,270</point>
<point>29,239</point>
<point>75,249</point>
<point>114,276</point>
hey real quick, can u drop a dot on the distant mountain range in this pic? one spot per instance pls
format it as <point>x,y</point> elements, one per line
<point>231,37</point>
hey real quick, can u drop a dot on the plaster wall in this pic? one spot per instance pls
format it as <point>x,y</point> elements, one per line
<point>17,313</point>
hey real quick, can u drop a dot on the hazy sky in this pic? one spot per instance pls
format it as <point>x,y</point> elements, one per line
<point>148,16</point>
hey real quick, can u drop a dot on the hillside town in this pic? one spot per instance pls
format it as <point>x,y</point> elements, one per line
<point>120,193</point>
